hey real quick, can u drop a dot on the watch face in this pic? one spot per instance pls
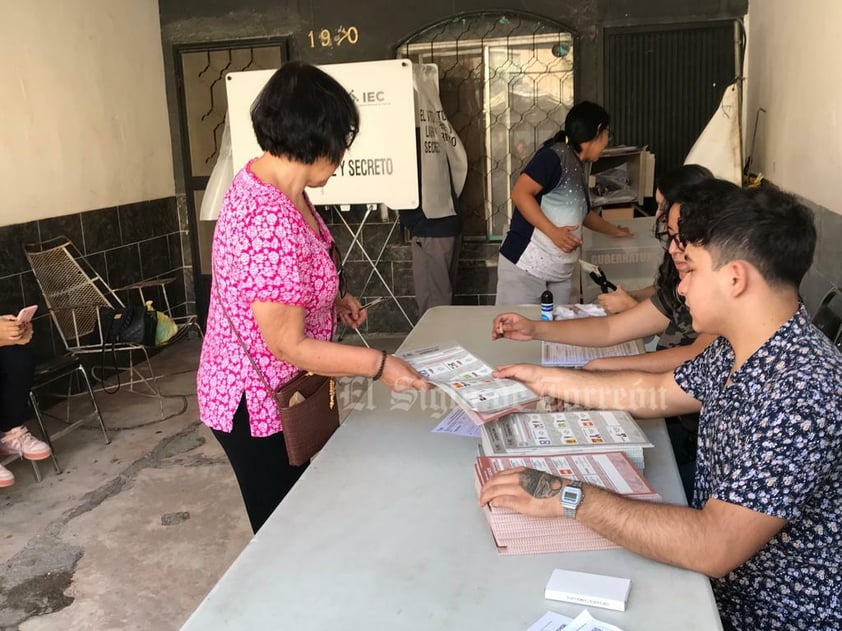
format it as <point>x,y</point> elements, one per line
<point>571,496</point>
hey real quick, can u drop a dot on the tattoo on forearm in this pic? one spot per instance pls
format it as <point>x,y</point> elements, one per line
<point>540,484</point>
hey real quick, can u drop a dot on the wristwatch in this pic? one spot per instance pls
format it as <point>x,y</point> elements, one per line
<point>571,498</point>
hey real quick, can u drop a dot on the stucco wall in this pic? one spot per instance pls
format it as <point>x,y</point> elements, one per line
<point>84,122</point>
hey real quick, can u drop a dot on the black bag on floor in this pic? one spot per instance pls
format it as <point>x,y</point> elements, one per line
<point>134,324</point>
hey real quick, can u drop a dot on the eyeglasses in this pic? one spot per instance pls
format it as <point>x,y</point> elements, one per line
<point>336,257</point>
<point>667,238</point>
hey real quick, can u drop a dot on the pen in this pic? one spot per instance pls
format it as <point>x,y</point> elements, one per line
<point>376,301</point>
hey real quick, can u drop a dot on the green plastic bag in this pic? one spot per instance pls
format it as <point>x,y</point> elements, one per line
<point>165,328</point>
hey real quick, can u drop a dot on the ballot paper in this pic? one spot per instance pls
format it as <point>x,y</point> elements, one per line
<point>552,621</point>
<point>458,422</point>
<point>571,356</point>
<point>515,534</point>
<point>469,381</point>
<point>536,433</point>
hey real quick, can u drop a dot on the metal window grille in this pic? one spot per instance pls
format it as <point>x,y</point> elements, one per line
<point>506,84</point>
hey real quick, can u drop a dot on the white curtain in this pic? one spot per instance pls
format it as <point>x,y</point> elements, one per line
<point>718,146</point>
<point>220,178</point>
<point>442,154</point>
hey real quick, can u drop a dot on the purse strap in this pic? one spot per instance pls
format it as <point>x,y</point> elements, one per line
<point>242,343</point>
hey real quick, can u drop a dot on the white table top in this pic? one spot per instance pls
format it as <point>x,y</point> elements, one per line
<point>383,530</point>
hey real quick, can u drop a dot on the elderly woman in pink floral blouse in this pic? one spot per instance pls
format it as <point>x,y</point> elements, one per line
<point>274,273</point>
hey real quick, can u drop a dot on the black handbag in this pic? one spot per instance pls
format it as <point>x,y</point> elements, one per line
<point>134,324</point>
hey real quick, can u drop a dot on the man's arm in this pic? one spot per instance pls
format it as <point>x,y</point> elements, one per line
<point>714,540</point>
<point>642,394</point>
<point>658,361</point>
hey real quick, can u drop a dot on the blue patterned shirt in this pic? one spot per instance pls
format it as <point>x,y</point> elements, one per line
<point>771,441</point>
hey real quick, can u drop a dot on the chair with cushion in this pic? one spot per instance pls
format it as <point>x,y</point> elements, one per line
<point>75,293</point>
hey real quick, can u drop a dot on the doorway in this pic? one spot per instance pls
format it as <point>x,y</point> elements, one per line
<point>203,104</point>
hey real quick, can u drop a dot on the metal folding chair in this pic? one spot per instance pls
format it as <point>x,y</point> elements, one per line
<point>75,292</point>
<point>66,366</point>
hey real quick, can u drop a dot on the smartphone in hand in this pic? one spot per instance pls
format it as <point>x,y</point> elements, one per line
<point>25,314</point>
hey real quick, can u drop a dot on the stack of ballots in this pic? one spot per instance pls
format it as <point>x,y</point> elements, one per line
<point>516,534</point>
<point>581,431</point>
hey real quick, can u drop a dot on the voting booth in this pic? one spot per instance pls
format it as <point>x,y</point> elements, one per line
<point>379,169</point>
<point>380,166</point>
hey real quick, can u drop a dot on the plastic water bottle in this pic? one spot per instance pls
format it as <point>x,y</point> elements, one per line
<point>547,305</point>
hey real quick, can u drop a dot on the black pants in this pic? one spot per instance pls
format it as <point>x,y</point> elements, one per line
<point>261,466</point>
<point>17,368</point>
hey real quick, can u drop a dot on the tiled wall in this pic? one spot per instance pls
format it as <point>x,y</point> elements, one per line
<point>476,282</point>
<point>125,244</point>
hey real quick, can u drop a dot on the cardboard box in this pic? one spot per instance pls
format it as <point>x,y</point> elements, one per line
<point>631,262</point>
<point>618,213</point>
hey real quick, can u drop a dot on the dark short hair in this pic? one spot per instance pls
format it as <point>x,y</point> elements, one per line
<point>584,122</point>
<point>304,114</point>
<point>764,226</point>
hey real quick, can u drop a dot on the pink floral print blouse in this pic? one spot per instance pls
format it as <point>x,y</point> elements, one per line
<point>263,250</point>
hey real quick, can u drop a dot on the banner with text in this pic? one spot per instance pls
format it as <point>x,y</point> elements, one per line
<point>442,155</point>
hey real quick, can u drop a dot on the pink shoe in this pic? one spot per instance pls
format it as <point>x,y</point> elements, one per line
<point>7,478</point>
<point>20,442</point>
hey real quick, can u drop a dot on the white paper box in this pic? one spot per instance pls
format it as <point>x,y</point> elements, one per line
<point>593,590</point>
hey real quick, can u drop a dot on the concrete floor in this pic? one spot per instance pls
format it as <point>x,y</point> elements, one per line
<point>130,535</point>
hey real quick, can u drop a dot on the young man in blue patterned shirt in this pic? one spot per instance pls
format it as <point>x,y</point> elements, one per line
<point>766,516</point>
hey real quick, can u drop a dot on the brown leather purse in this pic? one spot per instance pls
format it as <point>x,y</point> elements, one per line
<point>307,423</point>
<point>310,423</point>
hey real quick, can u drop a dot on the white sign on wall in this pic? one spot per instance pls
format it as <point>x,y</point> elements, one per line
<point>381,164</point>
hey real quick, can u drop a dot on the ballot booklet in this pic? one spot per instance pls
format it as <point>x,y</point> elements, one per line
<point>514,533</point>
<point>467,379</point>
<point>572,356</point>
<point>536,433</point>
